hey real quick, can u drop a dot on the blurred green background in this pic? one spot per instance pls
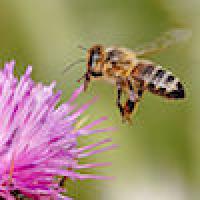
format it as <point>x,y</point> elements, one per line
<point>158,157</point>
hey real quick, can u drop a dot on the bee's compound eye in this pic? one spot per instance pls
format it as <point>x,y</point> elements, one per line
<point>94,57</point>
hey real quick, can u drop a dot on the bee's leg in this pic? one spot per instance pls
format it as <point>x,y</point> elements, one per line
<point>88,78</point>
<point>86,81</point>
<point>140,89</point>
<point>62,181</point>
<point>131,102</point>
<point>134,98</point>
<point>119,94</point>
<point>96,74</point>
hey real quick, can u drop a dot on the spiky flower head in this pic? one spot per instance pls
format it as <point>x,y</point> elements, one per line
<point>38,139</point>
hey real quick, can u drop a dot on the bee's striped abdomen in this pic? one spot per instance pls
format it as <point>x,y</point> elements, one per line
<point>162,82</point>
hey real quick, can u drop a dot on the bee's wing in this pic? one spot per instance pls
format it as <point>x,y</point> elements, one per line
<point>164,41</point>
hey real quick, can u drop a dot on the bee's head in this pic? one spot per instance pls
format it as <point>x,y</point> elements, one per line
<point>95,57</point>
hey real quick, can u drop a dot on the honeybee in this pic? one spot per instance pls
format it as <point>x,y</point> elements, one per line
<point>131,74</point>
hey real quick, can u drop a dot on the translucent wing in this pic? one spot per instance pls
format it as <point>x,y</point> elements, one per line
<point>164,41</point>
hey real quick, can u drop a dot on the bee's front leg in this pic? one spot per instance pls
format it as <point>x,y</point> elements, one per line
<point>88,76</point>
<point>87,81</point>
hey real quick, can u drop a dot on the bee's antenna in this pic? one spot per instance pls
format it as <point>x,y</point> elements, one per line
<point>68,67</point>
<point>82,48</point>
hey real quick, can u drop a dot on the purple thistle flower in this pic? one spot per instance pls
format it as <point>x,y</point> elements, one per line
<point>38,140</point>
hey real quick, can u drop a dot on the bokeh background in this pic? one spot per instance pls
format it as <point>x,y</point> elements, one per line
<point>158,157</point>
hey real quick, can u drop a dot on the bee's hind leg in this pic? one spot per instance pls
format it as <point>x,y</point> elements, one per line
<point>130,104</point>
<point>134,96</point>
<point>127,109</point>
<point>133,99</point>
<point>118,102</point>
